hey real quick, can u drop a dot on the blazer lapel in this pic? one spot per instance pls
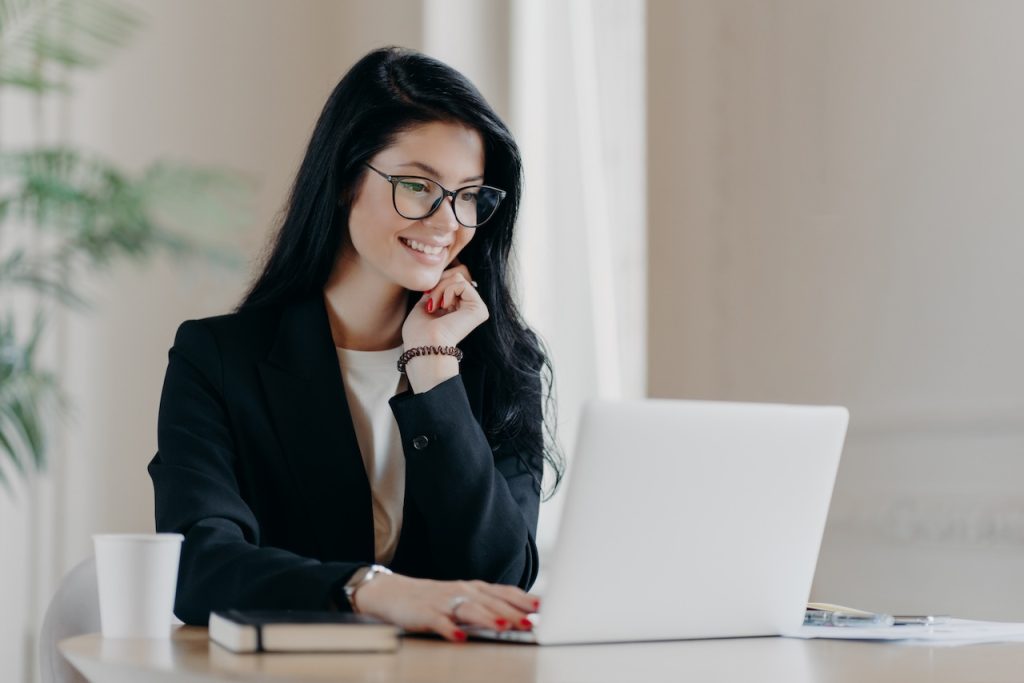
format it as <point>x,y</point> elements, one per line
<point>304,389</point>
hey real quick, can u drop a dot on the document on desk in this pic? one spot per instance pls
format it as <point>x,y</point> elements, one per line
<point>948,634</point>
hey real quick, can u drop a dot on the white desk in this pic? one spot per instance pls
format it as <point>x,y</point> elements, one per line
<point>189,658</point>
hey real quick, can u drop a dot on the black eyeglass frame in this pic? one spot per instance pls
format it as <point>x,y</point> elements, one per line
<point>445,193</point>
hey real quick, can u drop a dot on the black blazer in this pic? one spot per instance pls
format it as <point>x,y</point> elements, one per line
<point>259,467</point>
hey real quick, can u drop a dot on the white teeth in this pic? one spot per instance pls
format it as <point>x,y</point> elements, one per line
<point>426,249</point>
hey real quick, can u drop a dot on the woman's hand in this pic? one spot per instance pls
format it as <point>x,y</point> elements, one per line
<point>426,606</point>
<point>443,316</point>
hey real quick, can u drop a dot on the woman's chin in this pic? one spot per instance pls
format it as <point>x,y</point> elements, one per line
<point>420,282</point>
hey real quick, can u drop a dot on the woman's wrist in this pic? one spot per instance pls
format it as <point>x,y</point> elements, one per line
<point>365,598</point>
<point>426,372</point>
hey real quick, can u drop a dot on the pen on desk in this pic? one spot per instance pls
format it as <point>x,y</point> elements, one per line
<point>920,620</point>
<point>819,617</point>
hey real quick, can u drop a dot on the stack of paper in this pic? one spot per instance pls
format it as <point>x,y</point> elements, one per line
<point>951,633</point>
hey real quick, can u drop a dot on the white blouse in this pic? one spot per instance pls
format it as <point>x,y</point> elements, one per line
<point>371,378</point>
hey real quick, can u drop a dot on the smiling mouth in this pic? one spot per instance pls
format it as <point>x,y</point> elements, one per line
<point>423,248</point>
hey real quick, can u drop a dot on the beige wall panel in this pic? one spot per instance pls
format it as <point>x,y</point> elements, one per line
<point>835,218</point>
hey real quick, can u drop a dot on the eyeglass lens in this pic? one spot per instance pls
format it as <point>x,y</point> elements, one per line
<point>417,197</point>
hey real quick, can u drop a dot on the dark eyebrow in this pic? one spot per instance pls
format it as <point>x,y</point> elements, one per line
<point>434,172</point>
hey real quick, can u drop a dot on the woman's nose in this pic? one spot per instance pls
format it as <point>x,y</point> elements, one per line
<point>444,218</point>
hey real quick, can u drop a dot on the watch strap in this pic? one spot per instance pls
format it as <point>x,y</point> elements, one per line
<point>360,578</point>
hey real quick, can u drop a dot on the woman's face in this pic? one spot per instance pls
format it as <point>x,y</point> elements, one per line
<point>396,248</point>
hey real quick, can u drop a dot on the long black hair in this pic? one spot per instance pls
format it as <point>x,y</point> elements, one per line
<point>389,91</point>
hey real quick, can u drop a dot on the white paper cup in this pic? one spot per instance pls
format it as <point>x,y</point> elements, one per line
<point>137,576</point>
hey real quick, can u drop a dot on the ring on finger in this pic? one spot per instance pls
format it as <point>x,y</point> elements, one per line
<point>455,603</point>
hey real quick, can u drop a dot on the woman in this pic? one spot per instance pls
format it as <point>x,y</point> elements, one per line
<point>305,470</point>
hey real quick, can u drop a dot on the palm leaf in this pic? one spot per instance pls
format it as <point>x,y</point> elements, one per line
<point>25,392</point>
<point>13,450</point>
<point>97,213</point>
<point>93,211</point>
<point>45,275</point>
<point>102,213</point>
<point>68,33</point>
<point>4,448</point>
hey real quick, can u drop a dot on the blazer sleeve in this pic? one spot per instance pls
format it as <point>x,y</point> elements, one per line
<point>223,564</point>
<point>480,505</point>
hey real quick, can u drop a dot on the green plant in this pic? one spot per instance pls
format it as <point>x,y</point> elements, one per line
<point>64,211</point>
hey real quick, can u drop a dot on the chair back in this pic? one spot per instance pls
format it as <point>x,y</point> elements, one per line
<point>74,610</point>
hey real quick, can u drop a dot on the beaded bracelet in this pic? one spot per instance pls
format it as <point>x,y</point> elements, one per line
<point>428,351</point>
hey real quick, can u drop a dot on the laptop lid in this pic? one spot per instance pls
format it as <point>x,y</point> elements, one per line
<point>690,519</point>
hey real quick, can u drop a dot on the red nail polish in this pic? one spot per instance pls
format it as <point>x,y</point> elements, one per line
<point>501,623</point>
<point>526,623</point>
<point>460,636</point>
<point>536,605</point>
<point>430,305</point>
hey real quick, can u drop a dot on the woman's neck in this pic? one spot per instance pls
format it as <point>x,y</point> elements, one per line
<point>365,311</point>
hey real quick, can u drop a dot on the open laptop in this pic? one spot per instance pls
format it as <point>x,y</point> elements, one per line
<point>688,519</point>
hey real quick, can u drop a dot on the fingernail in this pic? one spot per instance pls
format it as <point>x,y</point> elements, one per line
<point>526,623</point>
<point>536,605</point>
<point>460,636</point>
<point>502,623</point>
<point>430,305</point>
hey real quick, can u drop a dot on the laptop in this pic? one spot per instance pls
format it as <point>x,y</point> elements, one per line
<point>688,519</point>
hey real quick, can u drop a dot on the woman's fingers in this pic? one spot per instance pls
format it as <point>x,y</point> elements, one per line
<point>427,605</point>
<point>476,613</point>
<point>514,596</point>
<point>434,621</point>
<point>494,600</point>
<point>452,293</point>
<point>502,614</point>
<point>437,293</point>
<point>442,294</point>
<point>442,625</point>
<point>512,603</point>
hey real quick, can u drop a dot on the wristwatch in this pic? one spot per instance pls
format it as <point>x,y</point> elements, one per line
<point>360,578</point>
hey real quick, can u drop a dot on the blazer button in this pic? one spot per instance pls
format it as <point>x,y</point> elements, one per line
<point>420,442</point>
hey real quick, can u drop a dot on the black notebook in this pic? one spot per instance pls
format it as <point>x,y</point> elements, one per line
<point>295,631</point>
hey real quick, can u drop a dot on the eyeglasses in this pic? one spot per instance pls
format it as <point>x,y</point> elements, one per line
<point>415,197</point>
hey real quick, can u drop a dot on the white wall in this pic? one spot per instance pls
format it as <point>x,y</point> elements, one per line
<point>836,217</point>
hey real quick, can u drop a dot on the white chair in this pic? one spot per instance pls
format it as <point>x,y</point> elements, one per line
<point>74,610</point>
